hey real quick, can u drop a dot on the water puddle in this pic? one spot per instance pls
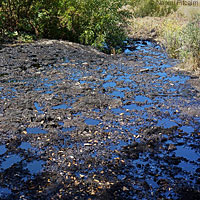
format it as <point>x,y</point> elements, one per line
<point>61,106</point>
<point>109,84</point>
<point>187,129</point>
<point>35,166</point>
<point>188,167</point>
<point>35,130</point>
<point>166,123</point>
<point>143,99</point>
<point>39,108</point>
<point>186,152</point>
<point>4,192</point>
<point>26,146</point>
<point>93,122</point>
<point>3,149</point>
<point>117,94</point>
<point>117,146</point>
<point>10,161</point>
<point>152,183</point>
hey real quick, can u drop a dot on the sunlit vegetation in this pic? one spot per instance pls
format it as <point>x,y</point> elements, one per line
<point>176,26</point>
<point>92,22</point>
<point>103,23</point>
<point>183,41</point>
<point>153,8</point>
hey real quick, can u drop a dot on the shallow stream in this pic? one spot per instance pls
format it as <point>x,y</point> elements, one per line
<point>76,130</point>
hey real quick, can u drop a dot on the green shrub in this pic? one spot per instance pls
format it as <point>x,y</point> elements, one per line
<point>92,22</point>
<point>183,42</point>
<point>154,8</point>
<point>190,48</point>
<point>172,34</point>
<point>30,16</point>
<point>191,36</point>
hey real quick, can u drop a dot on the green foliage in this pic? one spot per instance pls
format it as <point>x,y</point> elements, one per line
<point>154,8</point>
<point>191,37</point>
<point>171,32</point>
<point>191,41</point>
<point>92,22</point>
<point>184,42</point>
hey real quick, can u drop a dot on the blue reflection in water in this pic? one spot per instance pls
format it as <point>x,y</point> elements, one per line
<point>117,94</point>
<point>61,106</point>
<point>109,84</point>
<point>10,160</point>
<point>187,129</point>
<point>189,167</point>
<point>187,153</point>
<point>166,123</point>
<point>90,121</point>
<point>35,166</point>
<point>25,145</point>
<point>3,149</point>
<point>142,99</point>
<point>4,192</point>
<point>39,108</point>
<point>35,130</point>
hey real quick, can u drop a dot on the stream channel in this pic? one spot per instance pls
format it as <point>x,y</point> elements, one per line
<point>92,126</point>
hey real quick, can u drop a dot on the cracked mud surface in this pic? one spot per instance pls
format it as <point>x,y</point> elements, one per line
<point>78,124</point>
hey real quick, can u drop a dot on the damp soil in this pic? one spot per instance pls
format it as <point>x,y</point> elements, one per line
<point>79,124</point>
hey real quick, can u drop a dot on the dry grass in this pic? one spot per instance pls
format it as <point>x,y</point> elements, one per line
<point>188,11</point>
<point>164,29</point>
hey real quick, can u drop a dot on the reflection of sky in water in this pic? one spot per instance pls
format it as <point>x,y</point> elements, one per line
<point>142,99</point>
<point>39,108</point>
<point>3,149</point>
<point>187,129</point>
<point>9,161</point>
<point>35,130</point>
<point>61,106</point>
<point>25,145</point>
<point>4,192</point>
<point>117,94</point>
<point>187,153</point>
<point>189,167</point>
<point>117,146</point>
<point>109,84</point>
<point>166,123</point>
<point>92,121</point>
<point>35,166</point>
<point>117,85</point>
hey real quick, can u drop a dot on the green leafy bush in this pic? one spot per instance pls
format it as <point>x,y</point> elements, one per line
<point>154,8</point>
<point>92,22</point>
<point>30,16</point>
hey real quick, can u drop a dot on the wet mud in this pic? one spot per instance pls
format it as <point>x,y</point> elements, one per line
<point>79,124</point>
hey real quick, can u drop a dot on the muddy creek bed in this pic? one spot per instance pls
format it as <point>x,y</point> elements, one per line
<point>78,124</point>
